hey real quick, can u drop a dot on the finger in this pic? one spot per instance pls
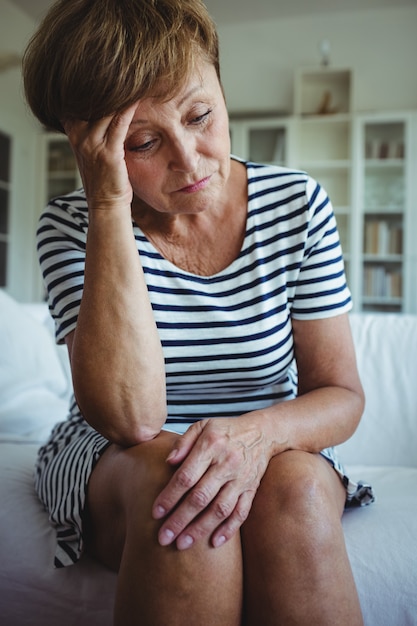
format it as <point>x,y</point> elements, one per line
<point>109,129</point>
<point>203,526</point>
<point>234,522</point>
<point>185,443</point>
<point>196,464</point>
<point>67,125</point>
<point>119,125</point>
<point>221,521</point>
<point>199,499</point>
<point>75,130</point>
<point>184,479</point>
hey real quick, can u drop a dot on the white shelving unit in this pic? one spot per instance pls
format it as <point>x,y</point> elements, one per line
<point>264,139</point>
<point>386,202</point>
<point>368,166</point>
<point>61,172</point>
<point>323,149</point>
<point>317,139</point>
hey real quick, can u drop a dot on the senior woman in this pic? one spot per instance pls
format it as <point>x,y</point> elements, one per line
<point>186,283</point>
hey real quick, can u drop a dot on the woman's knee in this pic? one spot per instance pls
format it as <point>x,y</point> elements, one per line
<point>300,495</point>
<point>300,479</point>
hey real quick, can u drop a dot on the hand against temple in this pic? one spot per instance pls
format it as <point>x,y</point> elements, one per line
<point>99,150</point>
<point>222,462</point>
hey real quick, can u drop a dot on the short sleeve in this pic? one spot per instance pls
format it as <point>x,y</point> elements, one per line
<point>61,245</point>
<point>321,289</point>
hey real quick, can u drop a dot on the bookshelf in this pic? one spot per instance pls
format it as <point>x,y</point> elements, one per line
<point>366,163</point>
<point>386,206</point>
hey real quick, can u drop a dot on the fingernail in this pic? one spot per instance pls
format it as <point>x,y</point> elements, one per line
<point>172,455</point>
<point>185,542</point>
<point>159,512</point>
<point>219,541</point>
<point>166,537</point>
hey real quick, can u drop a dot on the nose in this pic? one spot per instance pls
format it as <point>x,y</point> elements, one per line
<point>184,155</point>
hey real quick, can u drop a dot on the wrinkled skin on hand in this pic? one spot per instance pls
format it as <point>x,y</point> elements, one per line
<point>99,151</point>
<point>221,463</point>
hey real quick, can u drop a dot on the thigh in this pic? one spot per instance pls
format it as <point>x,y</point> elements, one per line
<point>123,478</point>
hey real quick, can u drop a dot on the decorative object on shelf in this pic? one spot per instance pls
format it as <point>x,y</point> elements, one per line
<point>323,90</point>
<point>325,107</point>
<point>324,47</point>
<point>378,149</point>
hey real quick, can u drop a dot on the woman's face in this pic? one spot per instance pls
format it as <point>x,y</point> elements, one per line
<point>178,151</point>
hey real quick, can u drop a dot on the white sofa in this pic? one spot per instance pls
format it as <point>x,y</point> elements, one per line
<point>381,538</point>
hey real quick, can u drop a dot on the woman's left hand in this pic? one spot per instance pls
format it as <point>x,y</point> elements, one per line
<point>222,462</point>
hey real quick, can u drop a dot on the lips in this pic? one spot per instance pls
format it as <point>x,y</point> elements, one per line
<point>197,186</point>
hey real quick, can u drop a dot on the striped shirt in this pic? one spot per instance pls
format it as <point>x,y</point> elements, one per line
<point>227,338</point>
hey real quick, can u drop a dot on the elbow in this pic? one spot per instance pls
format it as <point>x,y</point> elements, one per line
<point>125,427</point>
<point>140,428</point>
<point>127,433</point>
<point>130,438</point>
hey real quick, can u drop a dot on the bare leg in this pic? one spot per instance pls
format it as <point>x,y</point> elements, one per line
<point>156,585</point>
<point>296,566</point>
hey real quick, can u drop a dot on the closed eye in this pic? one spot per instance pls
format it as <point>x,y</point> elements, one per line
<point>201,119</point>
<point>144,147</point>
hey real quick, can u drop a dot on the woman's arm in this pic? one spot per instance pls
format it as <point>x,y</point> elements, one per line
<point>330,398</point>
<point>116,356</point>
<point>222,461</point>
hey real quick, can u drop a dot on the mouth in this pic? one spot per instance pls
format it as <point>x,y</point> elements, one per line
<point>197,186</point>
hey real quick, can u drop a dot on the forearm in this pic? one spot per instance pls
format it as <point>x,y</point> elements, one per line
<point>116,355</point>
<point>321,418</point>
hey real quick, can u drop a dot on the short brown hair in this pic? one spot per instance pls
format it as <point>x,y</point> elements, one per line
<point>93,58</point>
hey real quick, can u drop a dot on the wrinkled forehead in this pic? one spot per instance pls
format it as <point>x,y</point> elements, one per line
<point>201,81</point>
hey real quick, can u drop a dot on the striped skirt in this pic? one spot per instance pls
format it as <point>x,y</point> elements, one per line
<point>64,466</point>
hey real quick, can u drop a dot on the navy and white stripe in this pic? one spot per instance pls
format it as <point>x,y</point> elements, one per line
<point>63,468</point>
<point>227,338</point>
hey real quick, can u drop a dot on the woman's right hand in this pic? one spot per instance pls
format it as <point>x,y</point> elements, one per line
<point>100,154</point>
<point>118,376</point>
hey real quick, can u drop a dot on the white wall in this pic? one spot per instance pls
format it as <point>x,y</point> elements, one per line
<point>259,59</point>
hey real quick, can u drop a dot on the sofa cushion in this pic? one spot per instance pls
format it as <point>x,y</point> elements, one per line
<point>34,388</point>
<point>382,546</point>
<point>386,349</point>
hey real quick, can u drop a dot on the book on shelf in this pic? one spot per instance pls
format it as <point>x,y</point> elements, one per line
<point>383,237</point>
<point>381,282</point>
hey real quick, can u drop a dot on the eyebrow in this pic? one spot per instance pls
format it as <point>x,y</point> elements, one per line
<point>188,95</point>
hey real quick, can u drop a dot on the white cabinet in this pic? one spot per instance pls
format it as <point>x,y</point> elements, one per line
<point>262,139</point>
<point>316,139</point>
<point>61,174</point>
<point>386,201</point>
<point>368,166</point>
<point>58,176</point>
<point>323,148</point>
